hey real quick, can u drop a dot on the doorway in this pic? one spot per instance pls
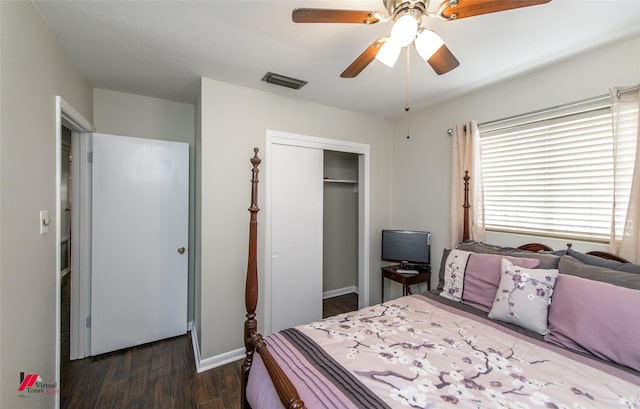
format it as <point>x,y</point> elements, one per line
<point>66,188</point>
<point>340,233</point>
<point>67,117</point>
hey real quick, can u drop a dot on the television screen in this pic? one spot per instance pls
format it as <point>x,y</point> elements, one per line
<point>406,246</point>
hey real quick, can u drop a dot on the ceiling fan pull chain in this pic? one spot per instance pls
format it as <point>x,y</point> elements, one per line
<point>407,108</point>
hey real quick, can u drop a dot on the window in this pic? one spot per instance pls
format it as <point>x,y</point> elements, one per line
<point>552,173</point>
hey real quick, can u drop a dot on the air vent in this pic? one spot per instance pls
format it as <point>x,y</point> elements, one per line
<point>283,81</point>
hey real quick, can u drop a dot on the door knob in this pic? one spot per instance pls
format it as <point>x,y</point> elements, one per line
<point>181,250</point>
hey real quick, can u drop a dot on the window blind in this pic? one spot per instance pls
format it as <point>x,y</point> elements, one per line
<point>553,175</point>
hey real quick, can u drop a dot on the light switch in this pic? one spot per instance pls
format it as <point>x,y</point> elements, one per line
<point>44,221</point>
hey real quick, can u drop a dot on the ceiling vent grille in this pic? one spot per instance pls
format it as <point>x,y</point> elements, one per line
<point>283,81</point>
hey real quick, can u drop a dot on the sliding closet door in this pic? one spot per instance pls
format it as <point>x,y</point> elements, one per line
<point>296,235</point>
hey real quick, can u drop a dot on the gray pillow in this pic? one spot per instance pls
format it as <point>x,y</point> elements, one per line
<point>602,262</point>
<point>558,253</point>
<point>571,266</point>
<point>479,247</point>
<point>547,260</point>
<point>523,296</point>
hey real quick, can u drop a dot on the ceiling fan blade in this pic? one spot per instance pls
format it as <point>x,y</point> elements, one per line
<point>364,59</point>
<point>334,16</point>
<point>470,8</point>
<point>443,60</point>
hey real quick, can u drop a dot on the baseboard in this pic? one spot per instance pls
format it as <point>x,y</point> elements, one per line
<point>340,291</point>
<point>231,356</point>
<point>214,361</point>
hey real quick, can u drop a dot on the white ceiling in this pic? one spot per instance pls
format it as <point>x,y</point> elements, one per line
<point>162,48</point>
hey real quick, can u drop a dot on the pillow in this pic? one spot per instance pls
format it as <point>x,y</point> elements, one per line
<point>454,268</point>
<point>602,262</point>
<point>547,260</point>
<point>523,296</point>
<point>482,277</point>
<point>596,317</point>
<point>479,247</point>
<point>571,266</point>
<point>443,262</point>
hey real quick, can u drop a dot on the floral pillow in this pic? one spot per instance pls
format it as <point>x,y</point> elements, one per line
<point>523,296</point>
<point>453,277</point>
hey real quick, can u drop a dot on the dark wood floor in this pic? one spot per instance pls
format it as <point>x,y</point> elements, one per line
<point>156,375</point>
<point>338,305</point>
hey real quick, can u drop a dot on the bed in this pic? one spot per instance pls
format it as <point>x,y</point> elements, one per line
<point>491,335</point>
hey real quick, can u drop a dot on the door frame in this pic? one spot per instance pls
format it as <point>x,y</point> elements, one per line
<point>363,152</point>
<point>65,115</point>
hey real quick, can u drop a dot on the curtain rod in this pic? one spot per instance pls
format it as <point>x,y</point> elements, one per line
<point>542,111</point>
<point>625,90</point>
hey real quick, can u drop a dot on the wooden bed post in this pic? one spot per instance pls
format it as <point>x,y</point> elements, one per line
<point>251,284</point>
<point>253,341</point>
<point>466,206</point>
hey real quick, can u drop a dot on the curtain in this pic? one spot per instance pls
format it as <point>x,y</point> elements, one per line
<point>465,155</point>
<point>625,233</point>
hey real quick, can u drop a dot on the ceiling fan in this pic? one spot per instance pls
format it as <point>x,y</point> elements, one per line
<point>407,28</point>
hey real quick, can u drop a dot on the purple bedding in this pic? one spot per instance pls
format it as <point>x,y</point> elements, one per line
<point>416,352</point>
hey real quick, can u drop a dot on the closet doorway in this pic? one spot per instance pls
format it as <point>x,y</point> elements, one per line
<point>294,213</point>
<point>340,233</point>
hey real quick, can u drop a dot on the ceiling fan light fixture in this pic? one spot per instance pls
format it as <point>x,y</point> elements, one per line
<point>389,53</point>
<point>427,43</point>
<point>404,29</point>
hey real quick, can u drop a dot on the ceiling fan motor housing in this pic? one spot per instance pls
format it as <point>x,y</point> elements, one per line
<point>397,8</point>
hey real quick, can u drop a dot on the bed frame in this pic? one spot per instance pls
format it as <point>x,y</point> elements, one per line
<point>254,341</point>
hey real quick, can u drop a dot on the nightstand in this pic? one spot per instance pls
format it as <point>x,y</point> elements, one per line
<point>406,280</point>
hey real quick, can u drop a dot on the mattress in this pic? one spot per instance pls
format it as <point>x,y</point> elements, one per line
<point>419,352</point>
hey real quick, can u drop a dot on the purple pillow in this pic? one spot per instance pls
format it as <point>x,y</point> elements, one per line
<point>596,317</point>
<point>482,278</point>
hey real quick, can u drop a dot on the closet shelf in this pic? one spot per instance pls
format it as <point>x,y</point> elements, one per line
<point>339,181</point>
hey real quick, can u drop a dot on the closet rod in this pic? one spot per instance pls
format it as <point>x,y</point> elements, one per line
<point>544,110</point>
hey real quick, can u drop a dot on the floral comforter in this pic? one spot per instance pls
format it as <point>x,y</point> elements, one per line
<point>414,352</point>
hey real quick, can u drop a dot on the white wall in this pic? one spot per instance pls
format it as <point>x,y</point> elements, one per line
<point>120,113</point>
<point>234,120</point>
<point>421,165</point>
<point>340,238</point>
<point>34,69</point>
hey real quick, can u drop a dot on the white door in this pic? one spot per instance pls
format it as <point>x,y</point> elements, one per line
<point>139,240</point>
<point>296,235</point>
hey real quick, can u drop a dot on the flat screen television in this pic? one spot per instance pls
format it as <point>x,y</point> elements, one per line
<point>408,247</point>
